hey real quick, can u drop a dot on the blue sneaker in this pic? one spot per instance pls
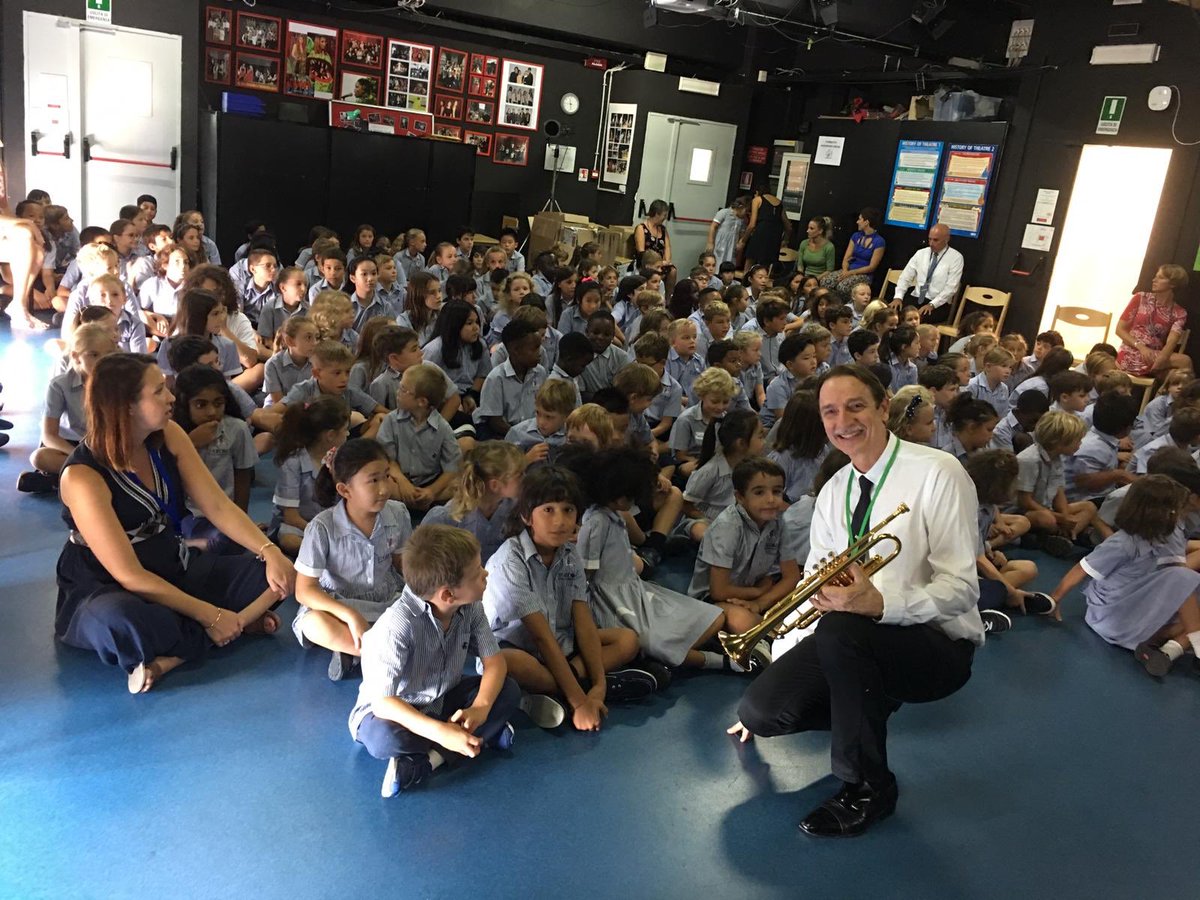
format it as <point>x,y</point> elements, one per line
<point>505,739</point>
<point>404,772</point>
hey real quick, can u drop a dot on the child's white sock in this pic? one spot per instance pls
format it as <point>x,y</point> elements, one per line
<point>435,759</point>
<point>714,660</point>
<point>1174,649</point>
<point>1194,639</point>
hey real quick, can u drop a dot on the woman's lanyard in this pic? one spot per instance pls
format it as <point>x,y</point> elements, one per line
<point>161,482</point>
<point>866,522</point>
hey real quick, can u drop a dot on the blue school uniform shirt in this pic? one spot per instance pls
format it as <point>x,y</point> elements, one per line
<point>464,374</point>
<point>687,432</point>
<point>525,434</point>
<point>65,404</point>
<point>392,297</point>
<point>368,310</point>
<point>423,451</point>
<point>424,333</point>
<point>1033,383</point>
<point>710,487</point>
<point>383,388</point>
<point>979,388</point>
<point>308,390</point>
<point>409,655</point>
<point>770,349</point>
<point>639,433</point>
<point>839,353</point>
<point>295,488</point>
<point>668,402</point>
<point>734,542</point>
<point>1153,422</point>
<point>556,372</point>
<point>798,472</point>
<point>131,333</point>
<point>159,296</point>
<point>210,250</point>
<point>323,285</point>
<point>751,378</point>
<point>571,321</point>
<point>507,395</point>
<point>626,313</point>
<point>1097,453</point>
<point>903,374</point>
<point>779,392</point>
<point>231,450</point>
<point>1141,456</point>
<point>408,264</point>
<point>549,350</point>
<point>541,285</point>
<point>1002,435</point>
<point>274,313</point>
<point>684,371</point>
<point>794,526</point>
<point>440,272</point>
<point>282,373</point>
<point>254,299</point>
<point>603,367</point>
<point>520,584</point>
<point>516,261</point>
<point>489,532</point>
<point>349,564</point>
<point>1039,475</point>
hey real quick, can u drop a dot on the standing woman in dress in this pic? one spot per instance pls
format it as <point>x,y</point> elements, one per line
<point>863,255</point>
<point>128,587</point>
<point>726,230</point>
<point>651,234</point>
<point>1151,326</point>
<point>768,229</point>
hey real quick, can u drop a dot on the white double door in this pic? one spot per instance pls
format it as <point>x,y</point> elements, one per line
<point>102,116</point>
<point>686,162</point>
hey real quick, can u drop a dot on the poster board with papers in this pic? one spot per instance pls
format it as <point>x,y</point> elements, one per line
<point>964,189</point>
<point>914,176</point>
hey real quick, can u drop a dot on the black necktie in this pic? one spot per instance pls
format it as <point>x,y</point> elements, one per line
<point>860,511</point>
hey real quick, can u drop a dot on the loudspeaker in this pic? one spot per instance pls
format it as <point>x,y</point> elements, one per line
<point>555,128</point>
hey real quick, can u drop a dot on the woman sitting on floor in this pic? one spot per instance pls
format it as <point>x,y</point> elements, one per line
<point>128,587</point>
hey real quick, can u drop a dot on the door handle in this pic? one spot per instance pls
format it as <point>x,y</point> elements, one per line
<point>67,145</point>
<point>670,210</point>
<point>87,149</point>
<point>33,143</point>
<point>641,209</point>
<point>174,158</point>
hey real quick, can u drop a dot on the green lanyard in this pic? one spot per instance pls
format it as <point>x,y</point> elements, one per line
<point>874,496</point>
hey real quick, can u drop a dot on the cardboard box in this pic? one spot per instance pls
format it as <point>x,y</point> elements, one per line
<point>920,107</point>
<point>543,232</point>
<point>614,243</point>
<point>574,235</point>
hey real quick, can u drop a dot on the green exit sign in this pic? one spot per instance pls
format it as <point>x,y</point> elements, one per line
<point>98,10</point>
<point>1111,112</point>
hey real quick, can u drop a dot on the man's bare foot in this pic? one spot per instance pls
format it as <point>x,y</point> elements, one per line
<point>146,675</point>
<point>267,623</point>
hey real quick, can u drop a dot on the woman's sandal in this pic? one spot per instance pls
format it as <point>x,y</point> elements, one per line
<point>267,623</point>
<point>143,677</point>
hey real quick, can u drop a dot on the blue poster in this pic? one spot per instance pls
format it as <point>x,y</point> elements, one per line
<point>964,190</point>
<point>910,199</point>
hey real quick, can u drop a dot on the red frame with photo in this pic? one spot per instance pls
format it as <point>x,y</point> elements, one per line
<point>539,85</point>
<point>485,150</point>
<point>456,136</point>
<point>232,25</point>
<point>259,50</point>
<point>228,69</point>
<point>482,74</point>
<point>437,72</point>
<point>358,64</point>
<point>259,87</point>
<point>437,107</point>
<point>375,76</point>
<point>470,121</point>
<point>517,137</point>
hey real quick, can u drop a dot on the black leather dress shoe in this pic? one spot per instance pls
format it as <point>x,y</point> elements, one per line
<point>851,811</point>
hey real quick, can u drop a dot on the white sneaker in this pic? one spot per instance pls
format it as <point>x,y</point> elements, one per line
<point>543,711</point>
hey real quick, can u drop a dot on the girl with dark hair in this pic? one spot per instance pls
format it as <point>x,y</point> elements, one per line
<point>127,587</point>
<point>421,305</point>
<point>348,567</point>
<point>305,437</point>
<point>726,443</point>
<point>798,444</point>
<point>458,350</point>
<point>1057,360</point>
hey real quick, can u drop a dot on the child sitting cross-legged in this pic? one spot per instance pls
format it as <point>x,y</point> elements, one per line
<point>415,706</point>
<point>651,350</point>
<point>306,435</point>
<point>714,391</point>
<point>331,363</point>
<point>1000,579</point>
<point>740,566</point>
<point>1141,595</point>
<point>798,443</point>
<point>536,603</point>
<point>484,494</point>
<point>1041,486</point>
<point>509,390</point>
<point>348,567</point>
<point>798,360</point>
<point>425,456</point>
<point>727,442</point>
<point>542,436</point>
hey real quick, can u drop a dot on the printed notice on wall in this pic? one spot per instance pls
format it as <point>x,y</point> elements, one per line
<point>1044,206</point>
<point>910,199</point>
<point>618,143</point>
<point>829,151</point>
<point>963,195</point>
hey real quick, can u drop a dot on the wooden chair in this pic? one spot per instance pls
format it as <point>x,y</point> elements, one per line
<point>788,255</point>
<point>892,279</point>
<point>988,298</point>
<point>1147,384</point>
<point>1082,317</point>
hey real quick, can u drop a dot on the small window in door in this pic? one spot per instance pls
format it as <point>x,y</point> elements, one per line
<point>700,171</point>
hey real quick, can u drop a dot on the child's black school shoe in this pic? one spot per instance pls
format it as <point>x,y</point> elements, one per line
<point>544,711</point>
<point>1056,545</point>
<point>404,772</point>
<point>994,621</point>
<point>341,665</point>
<point>1039,604</point>
<point>1153,659</point>
<point>650,560</point>
<point>3,439</point>
<point>629,683</point>
<point>5,425</point>
<point>656,670</point>
<point>505,739</point>
<point>36,483</point>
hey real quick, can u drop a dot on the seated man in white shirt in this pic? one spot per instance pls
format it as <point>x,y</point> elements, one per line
<point>906,635</point>
<point>934,274</point>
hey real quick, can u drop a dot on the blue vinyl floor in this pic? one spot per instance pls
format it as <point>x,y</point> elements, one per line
<point>1061,770</point>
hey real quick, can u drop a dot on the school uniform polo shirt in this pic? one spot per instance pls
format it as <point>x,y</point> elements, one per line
<point>308,390</point>
<point>603,368</point>
<point>1039,475</point>
<point>364,311</point>
<point>1097,453</point>
<point>903,374</point>
<point>408,264</point>
<point>520,584</point>
<point>779,392</point>
<point>685,371</point>
<point>687,432</point>
<point>979,388</point>
<point>525,434</point>
<point>710,487</point>
<point>274,313</point>
<point>65,404</point>
<point>839,352</point>
<point>281,373</point>
<point>232,449</point>
<point>509,396</point>
<point>423,451</point>
<point>734,542</point>
<point>557,372</point>
<point>668,402</point>
<point>254,299</point>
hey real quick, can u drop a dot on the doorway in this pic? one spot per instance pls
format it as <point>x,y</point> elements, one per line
<point>102,114</point>
<point>686,162</point>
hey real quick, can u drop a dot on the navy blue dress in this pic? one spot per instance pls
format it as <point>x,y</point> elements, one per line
<point>94,612</point>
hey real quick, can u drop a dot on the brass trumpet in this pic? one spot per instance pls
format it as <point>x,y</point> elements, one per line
<point>832,570</point>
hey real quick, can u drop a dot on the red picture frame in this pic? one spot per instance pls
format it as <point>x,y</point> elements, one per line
<point>212,32</point>
<point>247,21</point>
<point>361,58</point>
<point>445,77</point>
<point>482,142</point>
<point>520,101</point>
<point>257,61</point>
<point>447,132</point>
<point>511,149</point>
<point>211,72</point>
<point>479,112</point>
<point>349,91</point>
<point>448,106</point>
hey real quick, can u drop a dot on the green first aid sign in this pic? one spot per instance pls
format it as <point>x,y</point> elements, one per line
<point>98,10</point>
<point>1111,112</point>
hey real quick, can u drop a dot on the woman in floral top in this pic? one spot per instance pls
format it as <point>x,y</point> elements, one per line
<point>1152,324</point>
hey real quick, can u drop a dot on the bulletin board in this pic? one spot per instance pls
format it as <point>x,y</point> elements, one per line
<point>963,194</point>
<point>914,179</point>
